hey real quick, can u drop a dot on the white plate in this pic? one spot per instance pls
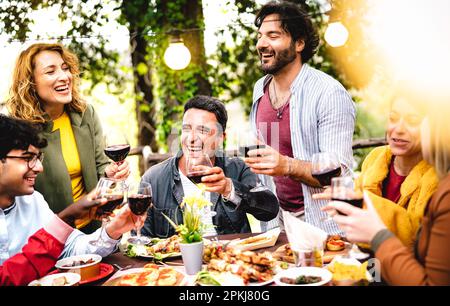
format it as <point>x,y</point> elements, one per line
<point>229,279</point>
<point>71,279</point>
<point>163,256</point>
<point>307,271</point>
<point>60,264</point>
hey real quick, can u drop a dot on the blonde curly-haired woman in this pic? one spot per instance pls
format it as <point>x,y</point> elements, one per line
<point>45,91</point>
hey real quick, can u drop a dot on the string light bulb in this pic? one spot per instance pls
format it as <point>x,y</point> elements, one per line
<point>177,55</point>
<point>336,34</point>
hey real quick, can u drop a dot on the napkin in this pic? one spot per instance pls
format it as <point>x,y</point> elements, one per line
<point>303,236</point>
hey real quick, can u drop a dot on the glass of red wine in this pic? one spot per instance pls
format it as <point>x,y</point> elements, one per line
<point>117,146</point>
<point>325,166</point>
<point>139,201</point>
<point>113,192</point>
<point>252,141</point>
<point>344,189</point>
<point>196,166</point>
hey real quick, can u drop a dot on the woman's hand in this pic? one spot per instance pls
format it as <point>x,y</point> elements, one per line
<point>119,171</point>
<point>359,225</point>
<point>123,221</point>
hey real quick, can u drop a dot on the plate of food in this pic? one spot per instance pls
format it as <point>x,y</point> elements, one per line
<point>233,267</point>
<point>158,249</point>
<point>303,276</point>
<point>264,240</point>
<point>149,275</point>
<point>349,272</point>
<point>334,246</point>
<point>58,279</point>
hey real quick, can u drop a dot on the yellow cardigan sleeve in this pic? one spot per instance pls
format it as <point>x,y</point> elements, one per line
<point>396,218</point>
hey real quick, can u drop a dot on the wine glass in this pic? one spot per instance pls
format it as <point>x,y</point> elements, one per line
<point>196,165</point>
<point>252,141</point>
<point>139,201</point>
<point>344,189</point>
<point>195,170</point>
<point>325,166</point>
<point>117,145</point>
<point>113,191</point>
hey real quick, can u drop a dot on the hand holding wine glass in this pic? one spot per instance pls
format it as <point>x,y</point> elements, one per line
<point>113,193</point>
<point>139,201</point>
<point>253,141</point>
<point>117,148</point>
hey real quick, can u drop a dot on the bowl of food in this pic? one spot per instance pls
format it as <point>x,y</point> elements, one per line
<point>349,272</point>
<point>303,276</point>
<point>87,266</point>
<point>58,279</point>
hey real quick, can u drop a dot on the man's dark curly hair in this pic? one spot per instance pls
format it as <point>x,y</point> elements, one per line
<point>18,134</point>
<point>295,21</point>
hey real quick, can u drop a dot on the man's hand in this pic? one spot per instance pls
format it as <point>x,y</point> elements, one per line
<point>216,181</point>
<point>82,209</point>
<point>118,171</point>
<point>267,161</point>
<point>123,221</point>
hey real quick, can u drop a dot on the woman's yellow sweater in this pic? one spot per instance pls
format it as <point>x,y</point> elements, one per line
<point>404,217</point>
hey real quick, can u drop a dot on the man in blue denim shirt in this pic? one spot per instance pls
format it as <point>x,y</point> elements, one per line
<point>227,183</point>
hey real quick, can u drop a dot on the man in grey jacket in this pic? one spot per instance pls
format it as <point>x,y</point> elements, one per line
<point>227,183</point>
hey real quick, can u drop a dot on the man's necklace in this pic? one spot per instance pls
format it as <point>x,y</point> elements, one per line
<point>280,109</point>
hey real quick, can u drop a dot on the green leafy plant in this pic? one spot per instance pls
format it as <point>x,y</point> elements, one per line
<point>191,230</point>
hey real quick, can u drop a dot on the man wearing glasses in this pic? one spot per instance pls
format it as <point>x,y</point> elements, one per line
<point>23,211</point>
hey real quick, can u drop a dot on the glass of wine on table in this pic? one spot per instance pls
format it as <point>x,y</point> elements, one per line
<point>113,192</point>
<point>139,201</point>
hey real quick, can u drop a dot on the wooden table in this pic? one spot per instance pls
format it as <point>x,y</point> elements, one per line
<point>137,262</point>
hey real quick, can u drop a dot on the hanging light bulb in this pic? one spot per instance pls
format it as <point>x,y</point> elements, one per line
<point>177,55</point>
<point>336,34</point>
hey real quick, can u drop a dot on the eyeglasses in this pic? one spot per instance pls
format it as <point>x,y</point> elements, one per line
<point>31,159</point>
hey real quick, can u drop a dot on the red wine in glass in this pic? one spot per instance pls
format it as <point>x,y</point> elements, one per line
<point>324,177</point>
<point>117,152</point>
<point>244,149</point>
<point>139,203</point>
<point>196,176</point>
<point>113,201</point>
<point>357,202</point>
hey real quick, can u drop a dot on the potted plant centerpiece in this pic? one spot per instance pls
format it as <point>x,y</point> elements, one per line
<point>191,231</point>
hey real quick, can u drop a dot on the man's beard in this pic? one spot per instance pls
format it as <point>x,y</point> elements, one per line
<point>282,58</point>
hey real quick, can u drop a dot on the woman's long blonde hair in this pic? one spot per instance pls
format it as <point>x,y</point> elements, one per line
<point>439,137</point>
<point>24,103</point>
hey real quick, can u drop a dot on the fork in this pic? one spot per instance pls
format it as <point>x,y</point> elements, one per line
<point>121,268</point>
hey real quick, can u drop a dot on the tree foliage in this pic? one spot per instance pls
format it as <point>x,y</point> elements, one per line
<point>148,23</point>
<point>160,93</point>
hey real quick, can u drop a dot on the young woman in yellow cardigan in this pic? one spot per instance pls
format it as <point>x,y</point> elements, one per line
<point>428,263</point>
<point>396,177</point>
